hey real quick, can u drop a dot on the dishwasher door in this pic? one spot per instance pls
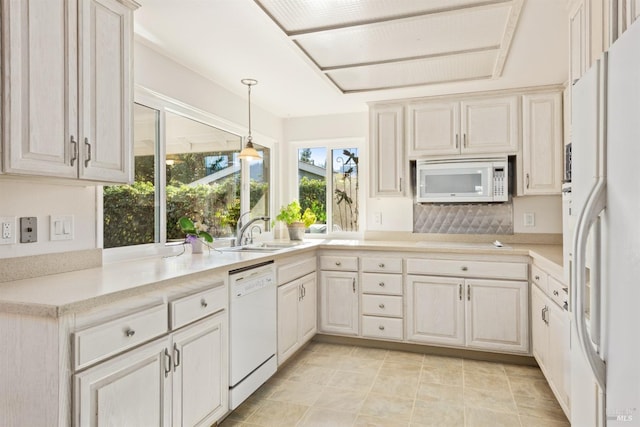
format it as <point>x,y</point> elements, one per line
<point>253,317</point>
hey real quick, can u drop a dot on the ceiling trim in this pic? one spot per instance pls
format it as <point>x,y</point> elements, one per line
<point>509,31</point>
<point>348,91</point>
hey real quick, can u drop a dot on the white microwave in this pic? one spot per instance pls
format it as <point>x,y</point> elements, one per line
<point>464,180</point>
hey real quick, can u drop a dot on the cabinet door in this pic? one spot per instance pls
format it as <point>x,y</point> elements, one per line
<point>497,315</point>
<point>200,376</point>
<point>542,143</point>
<point>434,128</point>
<point>539,329</point>
<point>339,302</point>
<point>106,33</point>
<point>308,314</point>
<point>490,126</point>
<point>577,41</point>
<point>559,364</point>
<point>289,297</point>
<point>387,150</point>
<point>435,310</point>
<point>131,389</point>
<point>39,105</point>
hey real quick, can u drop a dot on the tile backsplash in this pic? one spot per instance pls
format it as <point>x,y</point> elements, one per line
<point>472,218</point>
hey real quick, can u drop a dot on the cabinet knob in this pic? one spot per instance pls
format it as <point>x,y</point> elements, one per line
<point>381,284</point>
<point>381,327</point>
<point>203,303</point>
<point>129,332</point>
<point>381,265</point>
<point>464,268</point>
<point>338,263</point>
<point>537,277</point>
<point>381,305</point>
<point>555,293</point>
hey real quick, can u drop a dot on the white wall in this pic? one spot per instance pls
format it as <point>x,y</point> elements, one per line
<point>41,199</point>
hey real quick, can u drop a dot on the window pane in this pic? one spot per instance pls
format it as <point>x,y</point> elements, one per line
<point>130,211</point>
<point>259,180</point>
<point>312,173</point>
<point>345,189</point>
<point>203,176</point>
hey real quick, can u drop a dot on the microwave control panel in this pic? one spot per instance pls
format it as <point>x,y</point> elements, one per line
<point>499,184</point>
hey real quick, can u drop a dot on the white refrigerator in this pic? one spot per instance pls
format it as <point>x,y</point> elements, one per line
<point>605,269</point>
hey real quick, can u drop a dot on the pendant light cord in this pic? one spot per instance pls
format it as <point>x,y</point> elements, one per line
<point>249,137</point>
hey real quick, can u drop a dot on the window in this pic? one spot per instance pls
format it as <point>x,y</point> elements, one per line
<point>183,167</point>
<point>328,185</point>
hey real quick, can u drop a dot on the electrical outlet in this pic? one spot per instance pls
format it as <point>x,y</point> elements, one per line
<point>529,219</point>
<point>28,229</point>
<point>377,218</point>
<point>7,230</point>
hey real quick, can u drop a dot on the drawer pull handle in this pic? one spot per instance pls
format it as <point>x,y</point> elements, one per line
<point>464,268</point>
<point>129,332</point>
<point>381,327</point>
<point>555,293</point>
<point>338,263</point>
<point>381,305</point>
<point>381,265</point>
<point>381,284</point>
<point>203,303</point>
<point>537,277</point>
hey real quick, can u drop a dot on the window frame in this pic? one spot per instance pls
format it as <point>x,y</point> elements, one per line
<point>329,145</point>
<point>164,104</point>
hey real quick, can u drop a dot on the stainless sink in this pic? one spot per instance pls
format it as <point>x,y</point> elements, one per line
<point>261,247</point>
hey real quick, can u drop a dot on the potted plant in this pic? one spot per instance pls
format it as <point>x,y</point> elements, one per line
<point>296,220</point>
<point>195,232</point>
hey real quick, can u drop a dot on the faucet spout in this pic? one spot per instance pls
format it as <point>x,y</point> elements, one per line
<point>242,227</point>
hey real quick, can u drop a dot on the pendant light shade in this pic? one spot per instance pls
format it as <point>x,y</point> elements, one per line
<point>248,152</point>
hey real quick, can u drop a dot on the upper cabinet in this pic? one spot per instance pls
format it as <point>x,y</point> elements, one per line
<point>542,143</point>
<point>475,126</point>
<point>67,105</point>
<point>387,150</point>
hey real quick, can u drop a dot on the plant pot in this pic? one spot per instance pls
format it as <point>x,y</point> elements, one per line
<point>196,246</point>
<point>296,230</point>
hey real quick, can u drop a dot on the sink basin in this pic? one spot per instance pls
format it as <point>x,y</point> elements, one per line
<point>262,247</point>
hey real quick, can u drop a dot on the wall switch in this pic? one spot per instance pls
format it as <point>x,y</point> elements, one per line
<point>7,230</point>
<point>377,218</point>
<point>61,227</point>
<point>529,219</point>
<point>28,229</point>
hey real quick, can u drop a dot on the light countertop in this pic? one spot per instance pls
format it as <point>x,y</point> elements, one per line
<point>59,294</point>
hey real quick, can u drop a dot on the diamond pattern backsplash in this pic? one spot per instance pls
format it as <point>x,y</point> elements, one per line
<point>463,219</point>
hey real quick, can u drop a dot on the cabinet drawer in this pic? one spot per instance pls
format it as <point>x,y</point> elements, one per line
<point>382,305</point>
<point>339,263</point>
<point>193,307</point>
<point>378,283</point>
<point>539,277</point>
<point>101,341</point>
<point>295,270</point>
<point>382,327</point>
<point>382,265</point>
<point>557,292</point>
<point>461,268</point>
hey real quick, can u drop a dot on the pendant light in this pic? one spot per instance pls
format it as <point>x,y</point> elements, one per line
<point>248,152</point>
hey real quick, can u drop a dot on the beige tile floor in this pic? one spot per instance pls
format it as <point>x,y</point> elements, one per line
<point>337,385</point>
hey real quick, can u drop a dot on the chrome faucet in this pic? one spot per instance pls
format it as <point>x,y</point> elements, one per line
<point>242,227</point>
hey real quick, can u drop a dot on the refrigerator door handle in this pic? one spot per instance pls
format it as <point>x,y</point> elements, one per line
<point>588,216</point>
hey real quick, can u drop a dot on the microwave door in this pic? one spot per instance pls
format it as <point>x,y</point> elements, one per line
<point>451,185</point>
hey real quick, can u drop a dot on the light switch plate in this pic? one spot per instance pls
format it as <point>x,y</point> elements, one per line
<point>61,227</point>
<point>7,230</point>
<point>529,219</point>
<point>28,229</point>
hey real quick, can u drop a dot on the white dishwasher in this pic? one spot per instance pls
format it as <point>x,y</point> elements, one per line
<point>252,330</point>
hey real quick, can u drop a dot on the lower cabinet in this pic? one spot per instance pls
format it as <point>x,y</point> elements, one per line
<point>339,302</point>
<point>475,313</point>
<point>178,380</point>
<point>297,315</point>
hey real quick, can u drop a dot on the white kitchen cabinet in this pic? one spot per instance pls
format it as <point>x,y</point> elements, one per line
<point>386,137</point>
<point>339,302</point>
<point>577,41</point>
<point>68,98</point>
<point>297,315</point>
<point>497,315</point>
<point>542,144</point>
<point>486,125</point>
<point>435,310</point>
<point>382,302</point>
<point>539,330</point>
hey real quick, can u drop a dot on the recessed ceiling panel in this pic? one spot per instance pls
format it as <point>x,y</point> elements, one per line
<point>418,72</point>
<point>468,30</point>
<point>304,15</point>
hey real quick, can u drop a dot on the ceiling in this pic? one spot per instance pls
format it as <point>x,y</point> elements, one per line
<point>315,57</point>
